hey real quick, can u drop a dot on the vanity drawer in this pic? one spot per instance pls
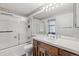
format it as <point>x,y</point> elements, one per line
<point>53,51</point>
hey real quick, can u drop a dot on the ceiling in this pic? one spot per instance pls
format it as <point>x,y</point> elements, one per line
<point>65,8</point>
<point>26,9</point>
<point>20,8</point>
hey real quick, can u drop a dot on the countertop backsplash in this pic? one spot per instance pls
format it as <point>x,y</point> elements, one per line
<point>69,33</point>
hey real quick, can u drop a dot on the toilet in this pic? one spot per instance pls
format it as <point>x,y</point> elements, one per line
<point>28,49</point>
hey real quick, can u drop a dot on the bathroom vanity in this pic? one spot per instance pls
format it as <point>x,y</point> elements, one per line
<point>42,47</point>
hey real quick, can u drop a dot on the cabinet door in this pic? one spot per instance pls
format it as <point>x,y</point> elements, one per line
<point>47,50</point>
<point>53,51</point>
<point>42,51</point>
<point>64,20</point>
<point>35,51</point>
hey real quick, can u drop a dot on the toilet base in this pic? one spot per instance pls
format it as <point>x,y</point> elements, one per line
<point>28,49</point>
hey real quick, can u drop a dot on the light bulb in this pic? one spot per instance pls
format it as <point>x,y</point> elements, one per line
<point>54,3</point>
<point>61,3</point>
<point>58,5</point>
<point>50,4</point>
<point>43,8</point>
<point>46,10</point>
<point>53,7</point>
<point>47,7</point>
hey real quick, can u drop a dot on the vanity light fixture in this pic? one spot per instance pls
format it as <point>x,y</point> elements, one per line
<point>51,6</point>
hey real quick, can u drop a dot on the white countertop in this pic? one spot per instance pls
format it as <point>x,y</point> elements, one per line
<point>69,45</point>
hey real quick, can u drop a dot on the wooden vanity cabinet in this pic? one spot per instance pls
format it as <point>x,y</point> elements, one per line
<point>35,48</point>
<point>47,50</point>
<point>66,53</point>
<point>43,49</point>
